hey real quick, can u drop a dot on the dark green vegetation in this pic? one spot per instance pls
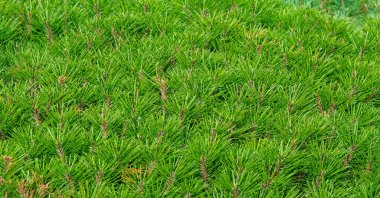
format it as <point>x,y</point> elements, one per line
<point>189,98</point>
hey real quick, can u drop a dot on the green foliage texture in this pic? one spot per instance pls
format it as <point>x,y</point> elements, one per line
<point>189,98</point>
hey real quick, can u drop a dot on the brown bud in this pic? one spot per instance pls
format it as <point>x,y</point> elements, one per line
<point>98,177</point>
<point>61,80</point>
<point>108,101</point>
<point>319,179</point>
<point>49,32</point>
<point>7,163</point>
<point>69,180</point>
<point>43,189</point>
<point>204,170</point>
<point>141,75</point>
<point>169,182</point>
<point>267,183</point>
<point>290,106</point>
<point>37,117</point>
<point>61,152</point>
<point>259,49</point>
<point>236,191</point>
<point>319,104</point>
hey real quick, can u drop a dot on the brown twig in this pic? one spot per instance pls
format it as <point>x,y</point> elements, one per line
<point>49,32</point>
<point>319,104</point>
<point>163,90</point>
<point>204,170</point>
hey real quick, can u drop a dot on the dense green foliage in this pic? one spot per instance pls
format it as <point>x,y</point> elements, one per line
<point>232,98</point>
<point>350,8</point>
